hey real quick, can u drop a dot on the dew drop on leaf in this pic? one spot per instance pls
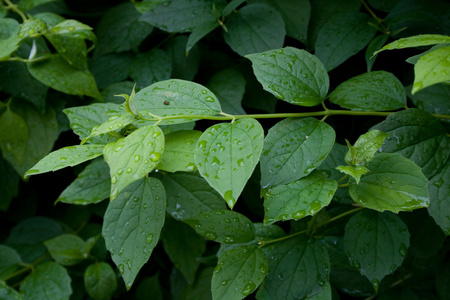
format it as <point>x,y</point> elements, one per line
<point>155,156</point>
<point>137,158</point>
<point>149,238</point>
<point>248,288</point>
<point>114,179</point>
<point>121,268</point>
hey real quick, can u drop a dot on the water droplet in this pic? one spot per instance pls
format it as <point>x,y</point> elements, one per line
<point>209,99</point>
<point>121,251</point>
<point>202,144</point>
<point>119,172</point>
<point>299,214</point>
<point>240,162</point>
<point>224,282</point>
<point>129,170</point>
<point>211,235</point>
<point>149,238</point>
<point>137,158</point>
<point>113,179</point>
<point>156,134</point>
<point>403,250</point>
<point>248,288</point>
<point>155,156</point>
<point>228,196</point>
<point>121,268</point>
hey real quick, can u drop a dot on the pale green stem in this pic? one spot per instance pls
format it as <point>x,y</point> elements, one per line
<point>14,8</point>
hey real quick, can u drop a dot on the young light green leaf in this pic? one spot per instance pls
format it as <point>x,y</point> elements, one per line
<point>439,189</point>
<point>418,136</point>
<point>100,280</point>
<point>342,36</point>
<point>115,122</point>
<point>254,28</point>
<point>229,86</point>
<point>9,261</point>
<point>183,246</point>
<point>32,27</point>
<point>432,68</point>
<point>116,37</point>
<point>56,73</point>
<point>298,267</point>
<point>55,276</point>
<point>188,194</point>
<point>171,98</point>
<point>373,91</point>
<point>416,41</point>
<point>293,148</point>
<point>9,29</point>
<point>355,171</point>
<point>13,134</point>
<point>132,225</point>
<point>227,154</point>
<point>223,226</point>
<point>179,151</point>
<point>394,183</point>
<point>7,293</point>
<point>239,272</point>
<point>67,249</point>
<point>365,148</point>
<point>74,29</point>
<point>292,75</point>
<point>133,157</point>
<point>376,243</point>
<point>66,157</point>
<point>300,198</point>
<point>150,67</point>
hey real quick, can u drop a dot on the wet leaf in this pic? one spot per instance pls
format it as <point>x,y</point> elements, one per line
<point>133,157</point>
<point>342,36</point>
<point>298,267</point>
<point>254,28</point>
<point>394,183</point>
<point>373,46</point>
<point>439,189</point>
<point>55,276</point>
<point>183,67</point>
<point>373,91</point>
<point>179,151</point>
<point>9,29</point>
<point>188,194</point>
<point>13,135</point>
<point>74,29</point>
<point>227,154</point>
<point>66,157</point>
<point>292,75</point>
<point>239,272</point>
<point>132,225</point>
<point>418,136</point>
<point>9,261</point>
<point>8,293</point>
<point>293,148</point>
<point>26,5</point>
<point>67,249</point>
<point>433,100</point>
<point>199,32</point>
<point>229,86</point>
<point>223,226</point>
<point>416,41</point>
<point>365,148</point>
<point>355,171</point>
<point>115,122</point>
<point>100,281</point>
<point>324,294</point>
<point>376,243</point>
<point>175,97</point>
<point>432,68</point>
<point>150,67</point>
<point>298,199</point>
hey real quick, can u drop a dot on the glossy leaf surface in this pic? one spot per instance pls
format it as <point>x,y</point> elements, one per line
<point>432,68</point>
<point>416,41</point>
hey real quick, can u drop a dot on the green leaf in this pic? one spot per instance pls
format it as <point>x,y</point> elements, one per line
<point>439,189</point>
<point>373,46</point>
<point>171,98</point>
<point>442,281</point>
<point>110,68</point>
<point>133,157</point>
<point>418,136</point>
<point>56,277</point>
<point>223,226</point>
<point>26,5</point>
<point>394,183</point>
<point>365,148</point>
<point>150,288</point>
<point>239,272</point>
<point>188,195</point>
<point>376,243</point>
<point>199,32</point>
<point>67,249</point>
<point>115,122</point>
<point>56,73</point>
<point>91,186</point>
<point>84,118</point>
<point>342,36</point>
<point>100,281</point>
<point>303,197</point>
<point>200,289</point>
<point>183,67</point>
<point>116,37</point>
<point>181,15</point>
<point>183,246</point>
<point>7,293</point>
<point>292,75</point>
<point>32,27</point>
<point>66,157</point>
<point>255,28</point>
<point>74,29</point>
<point>293,148</point>
<point>296,15</point>
<point>179,151</point>
<point>13,135</point>
<point>231,6</point>
<point>433,100</point>
<point>28,236</point>
<point>9,261</point>
<point>227,154</point>
<point>132,225</point>
<point>9,184</point>
<point>373,91</point>
<point>229,86</point>
<point>150,67</point>
<point>324,294</point>
<point>9,28</point>
<point>355,171</point>
<point>298,267</point>
<point>42,133</point>
<point>432,68</point>
<point>416,41</point>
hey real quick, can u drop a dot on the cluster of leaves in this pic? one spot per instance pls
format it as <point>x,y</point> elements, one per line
<point>185,219</point>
